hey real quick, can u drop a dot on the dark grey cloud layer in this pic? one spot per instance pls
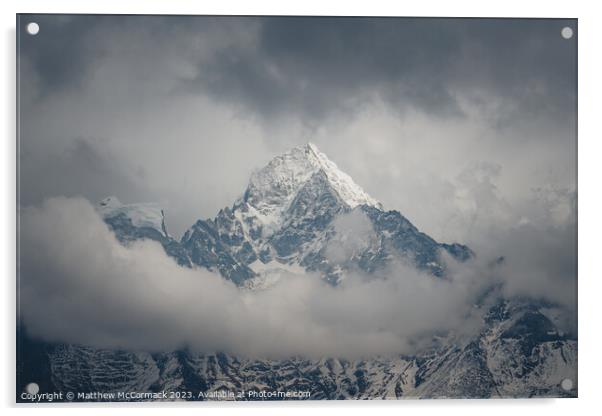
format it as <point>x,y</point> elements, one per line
<point>317,66</point>
<point>61,55</point>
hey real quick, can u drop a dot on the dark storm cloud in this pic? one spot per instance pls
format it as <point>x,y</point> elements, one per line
<point>317,66</point>
<point>68,47</point>
<point>61,54</point>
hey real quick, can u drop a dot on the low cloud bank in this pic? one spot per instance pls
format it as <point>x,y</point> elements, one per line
<point>78,284</point>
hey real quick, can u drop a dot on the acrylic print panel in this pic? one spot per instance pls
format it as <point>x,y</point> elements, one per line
<point>296,208</point>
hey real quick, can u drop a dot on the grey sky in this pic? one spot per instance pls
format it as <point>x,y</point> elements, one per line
<point>446,120</point>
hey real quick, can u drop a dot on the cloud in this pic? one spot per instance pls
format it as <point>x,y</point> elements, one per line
<point>315,68</point>
<point>319,67</point>
<point>354,233</point>
<point>83,167</point>
<point>79,285</point>
<point>61,36</point>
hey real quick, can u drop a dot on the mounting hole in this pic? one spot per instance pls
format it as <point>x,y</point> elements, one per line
<point>567,384</point>
<point>566,32</point>
<point>33,28</point>
<point>32,388</point>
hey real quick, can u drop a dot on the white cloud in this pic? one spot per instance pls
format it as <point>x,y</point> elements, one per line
<point>354,233</point>
<point>79,285</point>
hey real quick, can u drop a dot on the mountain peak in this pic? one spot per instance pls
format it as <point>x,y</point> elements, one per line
<point>274,186</point>
<point>343,184</point>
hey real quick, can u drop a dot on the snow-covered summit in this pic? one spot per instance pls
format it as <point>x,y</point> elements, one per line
<point>342,183</point>
<point>142,215</point>
<point>273,187</point>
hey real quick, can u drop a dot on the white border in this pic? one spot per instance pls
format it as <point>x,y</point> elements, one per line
<point>590,288</point>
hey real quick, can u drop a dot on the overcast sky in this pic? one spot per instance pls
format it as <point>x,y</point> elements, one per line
<point>422,113</point>
<point>465,126</point>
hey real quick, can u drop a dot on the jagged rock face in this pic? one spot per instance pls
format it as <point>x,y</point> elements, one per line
<point>207,249</point>
<point>309,214</point>
<point>287,218</point>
